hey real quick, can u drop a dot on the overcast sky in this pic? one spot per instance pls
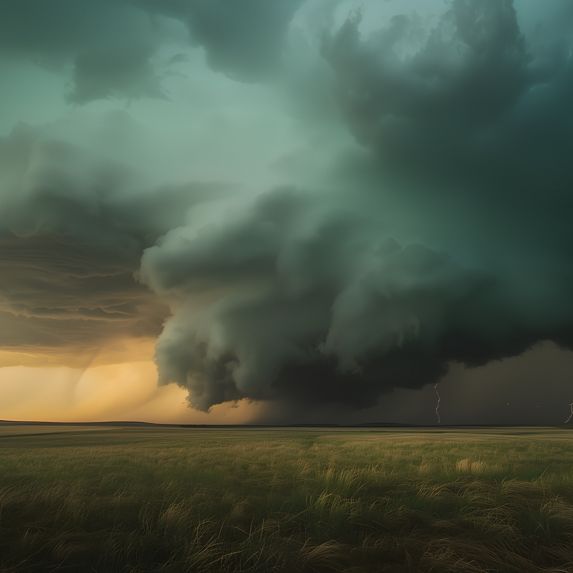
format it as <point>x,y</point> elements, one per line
<point>286,210</point>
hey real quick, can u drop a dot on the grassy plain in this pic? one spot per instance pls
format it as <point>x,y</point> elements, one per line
<point>105,499</point>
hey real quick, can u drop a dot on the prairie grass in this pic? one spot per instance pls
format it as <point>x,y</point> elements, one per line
<point>311,500</point>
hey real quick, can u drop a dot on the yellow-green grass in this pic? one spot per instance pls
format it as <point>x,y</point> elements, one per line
<point>260,500</point>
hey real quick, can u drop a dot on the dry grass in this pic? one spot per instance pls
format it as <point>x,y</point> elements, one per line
<point>143,500</point>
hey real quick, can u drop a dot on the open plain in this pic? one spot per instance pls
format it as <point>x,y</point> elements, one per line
<point>146,499</point>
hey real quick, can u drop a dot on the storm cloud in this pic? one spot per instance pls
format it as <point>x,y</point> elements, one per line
<point>296,304</point>
<point>73,227</point>
<point>114,47</point>
<point>314,306</point>
<point>333,203</point>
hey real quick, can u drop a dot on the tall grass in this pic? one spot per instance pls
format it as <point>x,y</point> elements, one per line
<point>142,500</point>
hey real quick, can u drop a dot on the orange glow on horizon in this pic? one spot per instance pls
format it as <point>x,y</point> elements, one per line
<point>116,382</point>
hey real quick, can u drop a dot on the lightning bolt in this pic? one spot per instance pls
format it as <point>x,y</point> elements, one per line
<point>570,414</point>
<point>439,399</point>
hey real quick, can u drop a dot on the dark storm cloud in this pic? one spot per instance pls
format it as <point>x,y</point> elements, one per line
<point>107,72</point>
<point>292,302</point>
<point>468,103</point>
<point>72,230</point>
<point>108,43</point>
<point>468,123</point>
<point>242,39</point>
<point>299,302</point>
<point>111,44</point>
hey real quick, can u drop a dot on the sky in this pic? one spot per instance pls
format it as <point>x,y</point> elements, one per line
<point>294,211</point>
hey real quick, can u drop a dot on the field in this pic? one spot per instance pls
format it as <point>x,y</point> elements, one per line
<point>106,499</point>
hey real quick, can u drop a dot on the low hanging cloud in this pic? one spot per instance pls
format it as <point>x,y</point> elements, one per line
<point>293,303</point>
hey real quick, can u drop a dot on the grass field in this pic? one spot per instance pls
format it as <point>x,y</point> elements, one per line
<point>144,499</point>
